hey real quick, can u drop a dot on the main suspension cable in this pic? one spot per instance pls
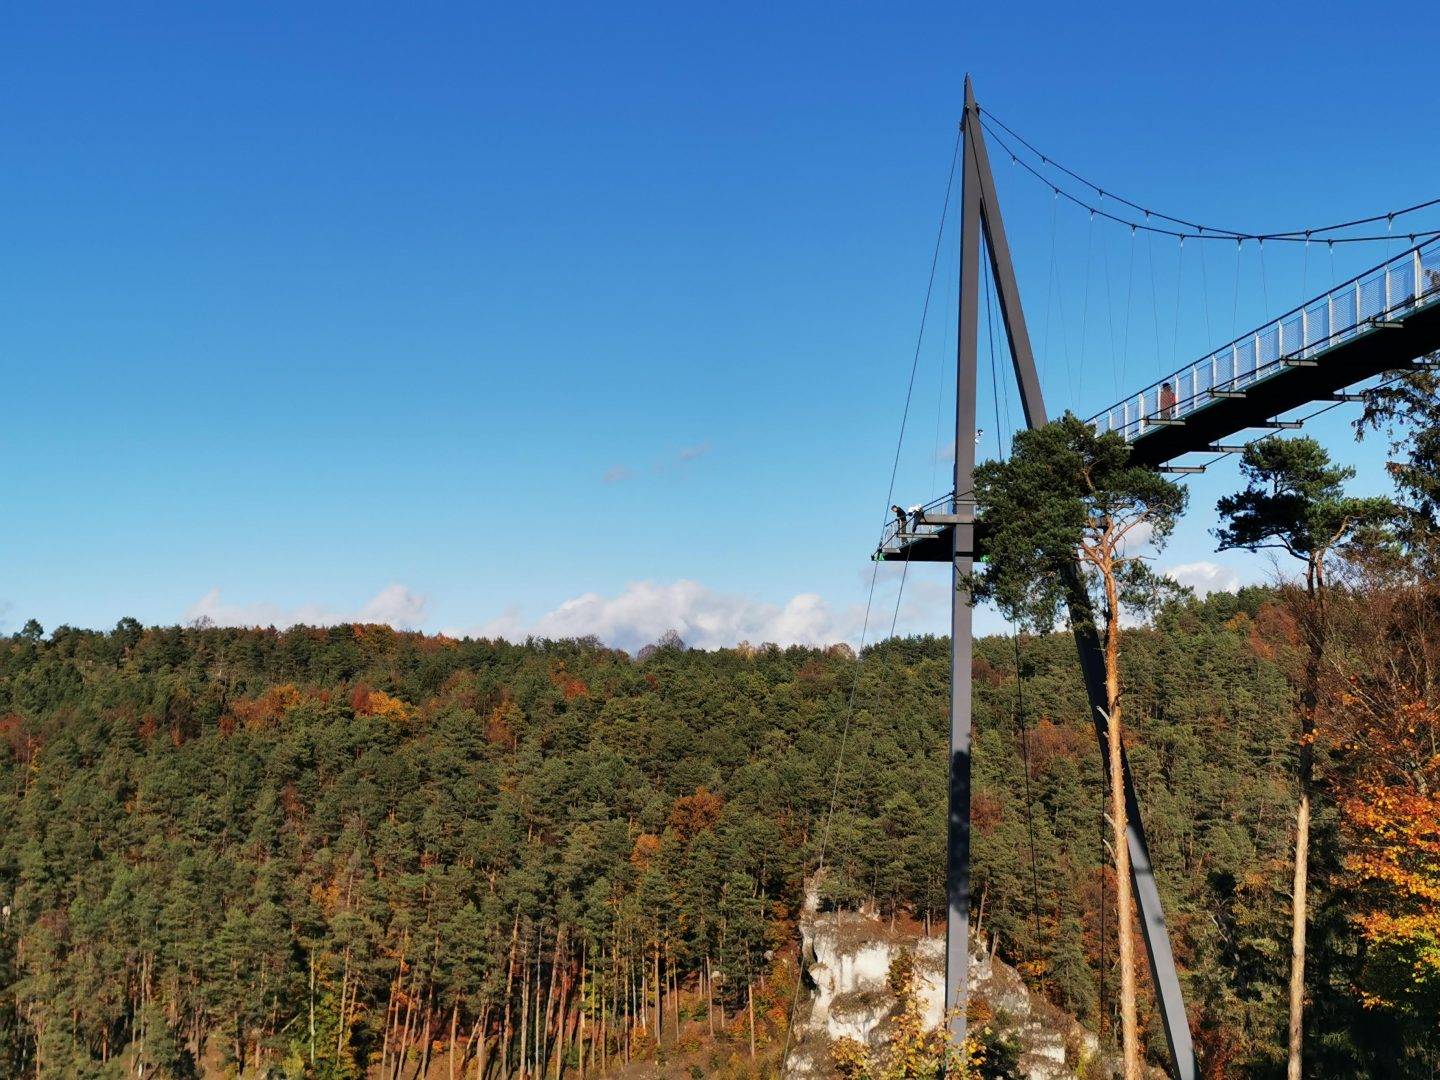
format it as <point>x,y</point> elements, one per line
<point>1193,228</point>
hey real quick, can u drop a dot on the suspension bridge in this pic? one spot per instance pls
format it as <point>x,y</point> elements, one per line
<point>1369,328</point>
<point>1383,321</point>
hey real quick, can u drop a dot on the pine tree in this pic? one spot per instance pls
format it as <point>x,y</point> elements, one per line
<point>1068,497</point>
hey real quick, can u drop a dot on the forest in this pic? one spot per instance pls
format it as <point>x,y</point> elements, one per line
<point>327,851</point>
<point>357,852</point>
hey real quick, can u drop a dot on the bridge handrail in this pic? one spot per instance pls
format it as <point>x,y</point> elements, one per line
<point>1302,332</point>
<point>944,504</point>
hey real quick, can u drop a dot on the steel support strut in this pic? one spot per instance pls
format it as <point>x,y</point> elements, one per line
<point>957,870</point>
<point>980,213</point>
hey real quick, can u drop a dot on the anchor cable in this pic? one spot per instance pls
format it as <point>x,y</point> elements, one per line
<point>924,315</point>
<point>874,577</point>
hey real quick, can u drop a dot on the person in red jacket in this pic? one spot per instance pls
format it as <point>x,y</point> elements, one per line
<point>1167,402</point>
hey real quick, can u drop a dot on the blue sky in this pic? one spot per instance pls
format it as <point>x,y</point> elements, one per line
<point>598,318</point>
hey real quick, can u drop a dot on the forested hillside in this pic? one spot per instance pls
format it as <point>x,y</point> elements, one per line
<point>327,851</point>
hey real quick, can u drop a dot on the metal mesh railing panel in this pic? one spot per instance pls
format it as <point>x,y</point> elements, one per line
<point>1269,346</point>
<point>1292,335</point>
<point>1345,314</point>
<point>1372,296</point>
<point>1430,272</point>
<point>1391,290</point>
<point>1400,281</point>
<point>1245,361</point>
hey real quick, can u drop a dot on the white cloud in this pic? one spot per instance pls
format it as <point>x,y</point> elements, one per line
<point>1206,577</point>
<point>690,453</point>
<point>1137,539</point>
<point>394,604</point>
<point>704,618</point>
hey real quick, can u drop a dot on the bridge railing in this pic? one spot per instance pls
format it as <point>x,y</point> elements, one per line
<point>916,525</point>
<point>1389,291</point>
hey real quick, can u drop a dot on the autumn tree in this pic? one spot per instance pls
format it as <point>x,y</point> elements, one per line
<point>1382,698</point>
<point>1069,499</point>
<point>1295,501</point>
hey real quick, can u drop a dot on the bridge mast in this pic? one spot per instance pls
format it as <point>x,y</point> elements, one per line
<point>980,215</point>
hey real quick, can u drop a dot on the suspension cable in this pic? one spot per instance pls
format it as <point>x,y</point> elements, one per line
<point>924,315</point>
<point>989,120</point>
<point>1019,694</point>
<point>874,576</point>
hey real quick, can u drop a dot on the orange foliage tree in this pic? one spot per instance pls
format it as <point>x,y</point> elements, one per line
<point>1384,702</point>
<point>1390,816</point>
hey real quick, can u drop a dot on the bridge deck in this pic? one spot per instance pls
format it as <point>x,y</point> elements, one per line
<point>1386,319</point>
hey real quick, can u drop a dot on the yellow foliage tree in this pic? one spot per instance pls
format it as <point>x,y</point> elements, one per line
<point>914,1052</point>
<point>1390,813</point>
<point>389,708</point>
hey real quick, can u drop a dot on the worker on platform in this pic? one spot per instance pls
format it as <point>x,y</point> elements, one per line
<point>1167,402</point>
<point>899,518</point>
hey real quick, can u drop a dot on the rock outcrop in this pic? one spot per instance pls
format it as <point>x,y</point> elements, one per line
<point>847,962</point>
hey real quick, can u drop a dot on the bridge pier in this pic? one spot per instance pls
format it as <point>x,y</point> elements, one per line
<point>980,216</point>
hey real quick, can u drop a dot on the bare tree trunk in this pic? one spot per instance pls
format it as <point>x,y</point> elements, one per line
<point>524,1008</point>
<point>1300,884</point>
<point>1297,936</point>
<point>454,1021</point>
<point>540,1032</point>
<point>580,1027</point>
<point>1124,897</point>
<point>508,1030</point>
<point>659,997</point>
<point>481,1042</point>
<point>404,1041</point>
<point>426,1042</point>
<point>555,1047</point>
<point>980,916</point>
<point>675,996</point>
<point>390,1007</point>
<point>343,1024</point>
<point>562,1026</point>
<point>750,1004</point>
<point>312,1008</point>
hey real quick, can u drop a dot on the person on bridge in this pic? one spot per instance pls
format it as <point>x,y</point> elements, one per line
<point>899,518</point>
<point>1167,402</point>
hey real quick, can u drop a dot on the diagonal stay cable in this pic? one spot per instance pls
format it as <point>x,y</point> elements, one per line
<point>875,571</point>
<point>924,316</point>
<point>839,764</point>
